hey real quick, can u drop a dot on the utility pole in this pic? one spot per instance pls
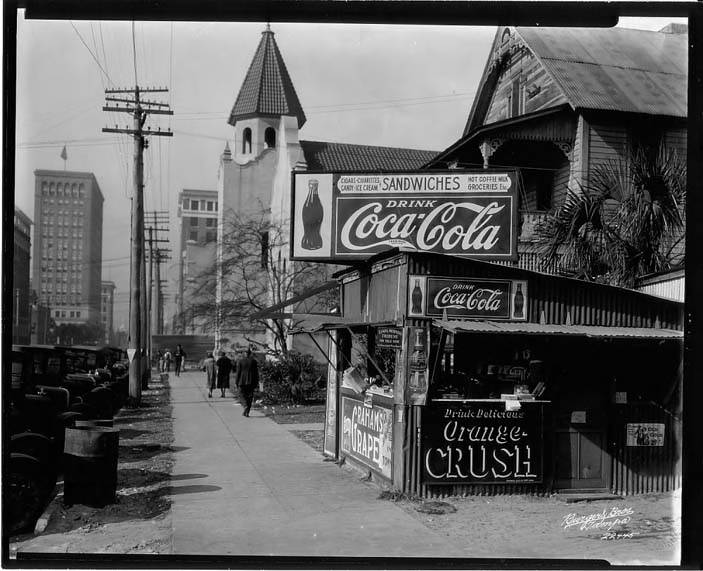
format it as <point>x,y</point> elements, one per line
<point>139,110</point>
<point>156,221</point>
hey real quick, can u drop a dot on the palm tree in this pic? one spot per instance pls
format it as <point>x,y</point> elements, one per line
<point>623,223</point>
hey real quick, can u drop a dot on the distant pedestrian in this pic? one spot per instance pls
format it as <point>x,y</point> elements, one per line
<point>167,361</point>
<point>160,360</point>
<point>224,367</point>
<point>247,379</point>
<point>179,358</point>
<point>209,368</point>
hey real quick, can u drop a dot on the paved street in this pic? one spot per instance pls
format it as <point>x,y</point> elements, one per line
<point>247,486</point>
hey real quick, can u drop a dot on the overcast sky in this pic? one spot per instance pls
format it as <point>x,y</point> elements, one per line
<point>404,86</point>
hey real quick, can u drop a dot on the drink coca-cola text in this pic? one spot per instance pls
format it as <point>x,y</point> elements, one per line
<point>441,227</point>
<point>480,299</point>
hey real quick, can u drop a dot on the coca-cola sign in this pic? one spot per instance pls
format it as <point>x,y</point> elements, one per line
<point>467,298</point>
<point>354,216</point>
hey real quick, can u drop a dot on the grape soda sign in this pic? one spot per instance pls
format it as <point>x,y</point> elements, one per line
<point>352,216</point>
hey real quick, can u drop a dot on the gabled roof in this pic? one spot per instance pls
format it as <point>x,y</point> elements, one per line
<point>320,155</point>
<point>267,88</point>
<point>613,69</point>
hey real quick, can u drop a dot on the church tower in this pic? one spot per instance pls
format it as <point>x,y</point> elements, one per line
<point>266,95</point>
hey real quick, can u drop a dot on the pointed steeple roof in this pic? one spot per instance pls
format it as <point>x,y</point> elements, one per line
<point>267,89</point>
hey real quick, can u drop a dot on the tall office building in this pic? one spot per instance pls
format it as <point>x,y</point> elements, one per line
<point>21,291</point>
<point>68,218</point>
<point>107,309</point>
<point>198,212</point>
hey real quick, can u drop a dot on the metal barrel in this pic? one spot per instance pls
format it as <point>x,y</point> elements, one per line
<point>90,465</point>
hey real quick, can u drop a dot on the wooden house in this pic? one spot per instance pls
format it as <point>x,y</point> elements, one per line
<point>556,102</point>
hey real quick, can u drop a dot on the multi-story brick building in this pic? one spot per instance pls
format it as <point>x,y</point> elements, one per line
<point>68,214</point>
<point>21,290</point>
<point>196,254</point>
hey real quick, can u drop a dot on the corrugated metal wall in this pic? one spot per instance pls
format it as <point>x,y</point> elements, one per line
<point>643,469</point>
<point>671,289</point>
<point>554,298</point>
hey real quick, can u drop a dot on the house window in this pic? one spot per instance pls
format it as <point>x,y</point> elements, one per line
<point>246,141</point>
<point>194,204</point>
<point>210,206</point>
<point>194,235</point>
<point>211,236</point>
<point>270,138</point>
<point>264,250</point>
<point>78,313</point>
<point>515,103</point>
<point>209,222</point>
<point>193,221</point>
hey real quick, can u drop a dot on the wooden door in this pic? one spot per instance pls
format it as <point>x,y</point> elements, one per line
<point>582,460</point>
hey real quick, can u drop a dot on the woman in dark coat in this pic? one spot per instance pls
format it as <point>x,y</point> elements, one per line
<point>224,367</point>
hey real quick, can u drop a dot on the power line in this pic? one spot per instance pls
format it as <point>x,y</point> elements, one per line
<point>89,50</point>
<point>134,52</point>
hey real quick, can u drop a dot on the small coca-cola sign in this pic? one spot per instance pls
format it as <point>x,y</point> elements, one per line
<point>352,216</point>
<point>467,298</point>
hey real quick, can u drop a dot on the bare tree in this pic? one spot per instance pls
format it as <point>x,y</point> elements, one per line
<point>256,274</point>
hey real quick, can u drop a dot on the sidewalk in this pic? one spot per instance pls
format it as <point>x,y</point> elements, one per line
<point>248,486</point>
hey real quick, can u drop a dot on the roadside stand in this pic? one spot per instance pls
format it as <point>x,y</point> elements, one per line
<point>449,374</point>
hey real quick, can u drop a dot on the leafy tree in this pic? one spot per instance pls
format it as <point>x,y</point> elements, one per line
<point>256,275</point>
<point>626,223</point>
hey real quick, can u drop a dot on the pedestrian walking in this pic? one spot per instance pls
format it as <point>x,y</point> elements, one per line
<point>167,361</point>
<point>160,360</point>
<point>210,371</point>
<point>247,379</point>
<point>224,367</point>
<point>179,358</point>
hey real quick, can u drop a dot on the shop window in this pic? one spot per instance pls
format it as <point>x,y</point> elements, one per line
<point>270,138</point>
<point>246,141</point>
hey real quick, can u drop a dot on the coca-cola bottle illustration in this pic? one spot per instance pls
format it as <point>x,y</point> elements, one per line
<point>416,299</point>
<point>418,364</point>
<point>519,303</point>
<point>312,218</point>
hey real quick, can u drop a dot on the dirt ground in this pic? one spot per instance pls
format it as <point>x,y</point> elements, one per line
<point>139,523</point>
<point>637,530</point>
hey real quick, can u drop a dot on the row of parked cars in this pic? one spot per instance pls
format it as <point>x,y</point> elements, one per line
<point>53,388</point>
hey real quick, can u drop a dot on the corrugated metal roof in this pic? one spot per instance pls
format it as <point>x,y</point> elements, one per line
<point>267,88</point>
<point>312,323</point>
<point>615,69</point>
<point>525,328</point>
<point>320,155</point>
